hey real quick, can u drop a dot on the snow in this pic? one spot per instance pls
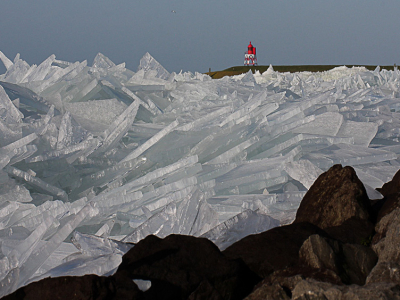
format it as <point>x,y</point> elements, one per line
<point>94,157</point>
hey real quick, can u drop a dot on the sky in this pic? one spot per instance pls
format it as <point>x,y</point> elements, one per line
<point>192,35</point>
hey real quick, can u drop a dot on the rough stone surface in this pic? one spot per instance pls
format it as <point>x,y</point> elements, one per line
<point>351,262</point>
<point>310,289</point>
<point>338,203</point>
<point>357,262</point>
<point>336,196</point>
<point>317,253</point>
<point>391,202</point>
<point>387,248</point>
<point>274,249</point>
<point>181,266</point>
<point>86,287</point>
<point>269,292</point>
<point>391,187</point>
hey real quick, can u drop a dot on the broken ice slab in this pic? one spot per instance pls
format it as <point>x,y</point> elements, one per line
<point>259,114</point>
<point>105,176</point>
<point>102,111</point>
<point>157,174</point>
<point>246,108</point>
<point>348,155</point>
<point>147,62</point>
<point>202,121</point>
<point>240,226</point>
<point>91,143</point>
<point>8,112</point>
<point>26,97</point>
<point>37,183</point>
<point>362,132</point>
<point>369,179</point>
<point>9,133</point>
<point>39,255</point>
<point>39,72</point>
<point>153,140</point>
<point>6,62</point>
<point>225,182</point>
<point>193,215</point>
<point>109,204</point>
<point>231,153</point>
<point>20,143</point>
<point>11,190</point>
<point>92,245</point>
<point>23,250</point>
<point>324,124</point>
<point>291,110</point>
<point>17,70</point>
<point>275,146</point>
<point>382,171</point>
<point>57,209</point>
<point>303,171</point>
<point>103,265</point>
<point>160,224</point>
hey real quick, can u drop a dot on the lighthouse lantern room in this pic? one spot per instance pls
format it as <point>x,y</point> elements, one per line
<point>250,57</point>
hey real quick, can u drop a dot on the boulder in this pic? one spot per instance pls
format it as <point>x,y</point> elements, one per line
<point>386,244</point>
<point>272,250</point>
<point>88,287</point>
<point>391,187</point>
<point>338,203</point>
<point>351,262</point>
<point>310,289</point>
<point>270,292</point>
<point>390,203</point>
<point>182,267</point>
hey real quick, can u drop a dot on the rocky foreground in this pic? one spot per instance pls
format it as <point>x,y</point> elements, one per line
<point>342,245</point>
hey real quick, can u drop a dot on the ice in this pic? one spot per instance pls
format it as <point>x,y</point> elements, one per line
<point>7,63</point>
<point>8,112</point>
<point>303,171</point>
<point>153,140</point>
<point>238,227</point>
<point>327,123</point>
<point>37,183</point>
<point>148,63</point>
<point>362,132</point>
<point>103,154</point>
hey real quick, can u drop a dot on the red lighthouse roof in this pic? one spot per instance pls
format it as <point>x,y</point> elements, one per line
<point>250,49</point>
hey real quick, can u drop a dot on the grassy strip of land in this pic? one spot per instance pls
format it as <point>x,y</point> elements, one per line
<point>301,68</point>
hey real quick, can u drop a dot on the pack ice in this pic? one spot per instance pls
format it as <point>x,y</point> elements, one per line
<point>95,158</point>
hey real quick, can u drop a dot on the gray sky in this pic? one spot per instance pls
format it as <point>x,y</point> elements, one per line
<point>203,34</point>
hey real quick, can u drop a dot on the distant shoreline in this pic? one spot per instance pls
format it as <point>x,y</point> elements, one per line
<point>237,70</point>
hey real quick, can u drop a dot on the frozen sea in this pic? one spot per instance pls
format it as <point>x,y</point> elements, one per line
<point>96,157</point>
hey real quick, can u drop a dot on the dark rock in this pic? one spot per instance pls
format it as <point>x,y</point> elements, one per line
<point>310,289</point>
<point>181,266</point>
<point>269,292</point>
<point>356,261</point>
<point>336,196</point>
<point>338,203</point>
<point>391,202</point>
<point>273,250</point>
<point>86,287</point>
<point>387,248</point>
<point>351,262</point>
<point>391,187</point>
<point>318,254</point>
<point>353,231</point>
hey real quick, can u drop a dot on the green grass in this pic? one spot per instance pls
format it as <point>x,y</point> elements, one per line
<point>300,68</point>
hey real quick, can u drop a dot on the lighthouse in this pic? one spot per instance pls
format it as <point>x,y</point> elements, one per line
<point>250,57</point>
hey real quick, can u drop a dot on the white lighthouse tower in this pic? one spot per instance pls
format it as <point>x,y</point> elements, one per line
<point>250,57</point>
